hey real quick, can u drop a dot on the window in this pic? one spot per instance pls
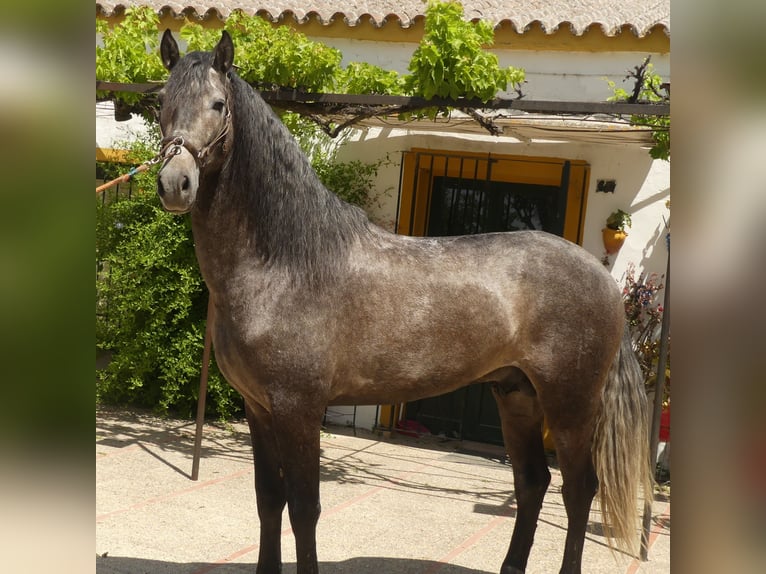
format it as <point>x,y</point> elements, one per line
<point>445,193</point>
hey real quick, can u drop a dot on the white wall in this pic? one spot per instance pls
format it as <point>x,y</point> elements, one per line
<point>577,76</point>
<point>643,184</point>
<point>570,76</point>
<point>643,188</point>
<point>111,134</point>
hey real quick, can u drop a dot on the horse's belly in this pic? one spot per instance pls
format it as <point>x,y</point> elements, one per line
<point>410,376</point>
<point>401,343</point>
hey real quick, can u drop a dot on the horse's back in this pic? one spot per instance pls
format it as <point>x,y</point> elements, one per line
<point>531,263</point>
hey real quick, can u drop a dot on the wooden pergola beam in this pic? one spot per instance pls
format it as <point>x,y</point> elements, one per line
<point>286,97</point>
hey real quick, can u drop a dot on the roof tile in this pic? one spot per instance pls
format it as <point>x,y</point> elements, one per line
<point>640,16</point>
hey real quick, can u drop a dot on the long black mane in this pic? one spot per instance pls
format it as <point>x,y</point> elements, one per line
<point>294,219</point>
<point>267,183</point>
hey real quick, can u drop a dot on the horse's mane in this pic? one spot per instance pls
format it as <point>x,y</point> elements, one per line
<point>296,221</point>
<point>269,186</point>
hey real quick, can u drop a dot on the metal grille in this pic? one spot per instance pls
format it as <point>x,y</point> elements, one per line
<point>471,202</point>
<point>120,192</point>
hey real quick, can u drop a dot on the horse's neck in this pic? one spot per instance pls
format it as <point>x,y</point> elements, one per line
<point>293,221</point>
<point>224,250</point>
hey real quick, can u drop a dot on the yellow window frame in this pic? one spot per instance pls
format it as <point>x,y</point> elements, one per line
<point>420,166</point>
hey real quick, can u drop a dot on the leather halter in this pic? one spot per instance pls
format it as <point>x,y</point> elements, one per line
<point>171,145</point>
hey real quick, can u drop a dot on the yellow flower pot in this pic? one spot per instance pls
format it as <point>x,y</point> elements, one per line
<point>613,239</point>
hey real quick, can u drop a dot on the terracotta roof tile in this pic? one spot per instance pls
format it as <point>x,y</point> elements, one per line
<point>640,16</point>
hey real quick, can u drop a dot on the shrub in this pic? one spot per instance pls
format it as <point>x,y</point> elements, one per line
<point>151,298</point>
<point>643,311</point>
<point>154,306</point>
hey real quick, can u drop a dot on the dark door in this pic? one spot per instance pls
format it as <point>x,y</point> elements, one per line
<point>462,207</point>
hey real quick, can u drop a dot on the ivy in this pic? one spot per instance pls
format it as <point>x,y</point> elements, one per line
<point>451,60</point>
<point>269,56</point>
<point>364,78</point>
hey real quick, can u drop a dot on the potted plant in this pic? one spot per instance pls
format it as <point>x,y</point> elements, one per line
<point>614,233</point>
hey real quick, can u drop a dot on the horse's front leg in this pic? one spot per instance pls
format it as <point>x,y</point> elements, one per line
<point>269,488</point>
<point>297,432</point>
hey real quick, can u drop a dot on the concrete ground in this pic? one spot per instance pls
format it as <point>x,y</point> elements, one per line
<point>397,505</point>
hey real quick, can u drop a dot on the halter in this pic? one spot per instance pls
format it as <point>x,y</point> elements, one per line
<point>171,145</point>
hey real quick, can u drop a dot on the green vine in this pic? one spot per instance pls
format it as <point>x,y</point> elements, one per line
<point>271,56</point>
<point>648,88</point>
<point>364,78</point>
<point>451,60</point>
<point>130,52</point>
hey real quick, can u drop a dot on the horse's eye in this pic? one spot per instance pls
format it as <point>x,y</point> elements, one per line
<point>219,105</point>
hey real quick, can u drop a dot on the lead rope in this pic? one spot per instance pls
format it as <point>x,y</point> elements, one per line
<point>165,153</point>
<point>171,148</point>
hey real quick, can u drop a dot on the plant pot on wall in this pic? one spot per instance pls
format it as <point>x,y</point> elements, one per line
<point>614,233</point>
<point>613,239</point>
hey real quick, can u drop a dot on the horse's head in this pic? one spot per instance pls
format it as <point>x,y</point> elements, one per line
<point>194,118</point>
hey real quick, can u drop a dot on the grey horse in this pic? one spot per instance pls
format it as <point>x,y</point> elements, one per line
<point>314,305</point>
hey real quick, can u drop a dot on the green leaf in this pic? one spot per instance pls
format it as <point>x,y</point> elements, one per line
<point>649,92</point>
<point>451,59</point>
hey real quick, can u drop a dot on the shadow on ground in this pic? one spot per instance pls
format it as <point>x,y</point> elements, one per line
<point>364,565</point>
<point>160,438</point>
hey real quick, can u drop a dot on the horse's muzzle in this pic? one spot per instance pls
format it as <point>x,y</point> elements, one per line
<point>178,181</point>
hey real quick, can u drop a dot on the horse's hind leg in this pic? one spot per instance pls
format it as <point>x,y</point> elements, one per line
<point>269,488</point>
<point>572,418</point>
<point>573,451</point>
<point>522,433</point>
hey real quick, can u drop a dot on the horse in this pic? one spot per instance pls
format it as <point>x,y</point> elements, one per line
<point>314,305</point>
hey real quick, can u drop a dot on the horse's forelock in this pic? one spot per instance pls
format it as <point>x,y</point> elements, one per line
<point>190,74</point>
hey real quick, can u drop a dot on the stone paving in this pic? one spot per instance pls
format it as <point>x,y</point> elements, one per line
<point>390,505</point>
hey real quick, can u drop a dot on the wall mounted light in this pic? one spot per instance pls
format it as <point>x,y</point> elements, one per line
<point>605,185</point>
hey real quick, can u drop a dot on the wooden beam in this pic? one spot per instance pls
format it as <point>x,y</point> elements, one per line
<point>140,88</point>
<point>287,96</point>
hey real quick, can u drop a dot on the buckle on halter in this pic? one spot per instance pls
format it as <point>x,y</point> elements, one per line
<point>172,146</point>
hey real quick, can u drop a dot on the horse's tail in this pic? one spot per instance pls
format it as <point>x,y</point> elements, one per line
<point>621,448</point>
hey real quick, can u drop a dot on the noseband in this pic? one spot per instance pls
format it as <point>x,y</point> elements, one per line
<point>171,145</point>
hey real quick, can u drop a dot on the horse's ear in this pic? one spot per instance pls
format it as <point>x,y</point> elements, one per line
<point>169,50</point>
<point>224,53</point>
